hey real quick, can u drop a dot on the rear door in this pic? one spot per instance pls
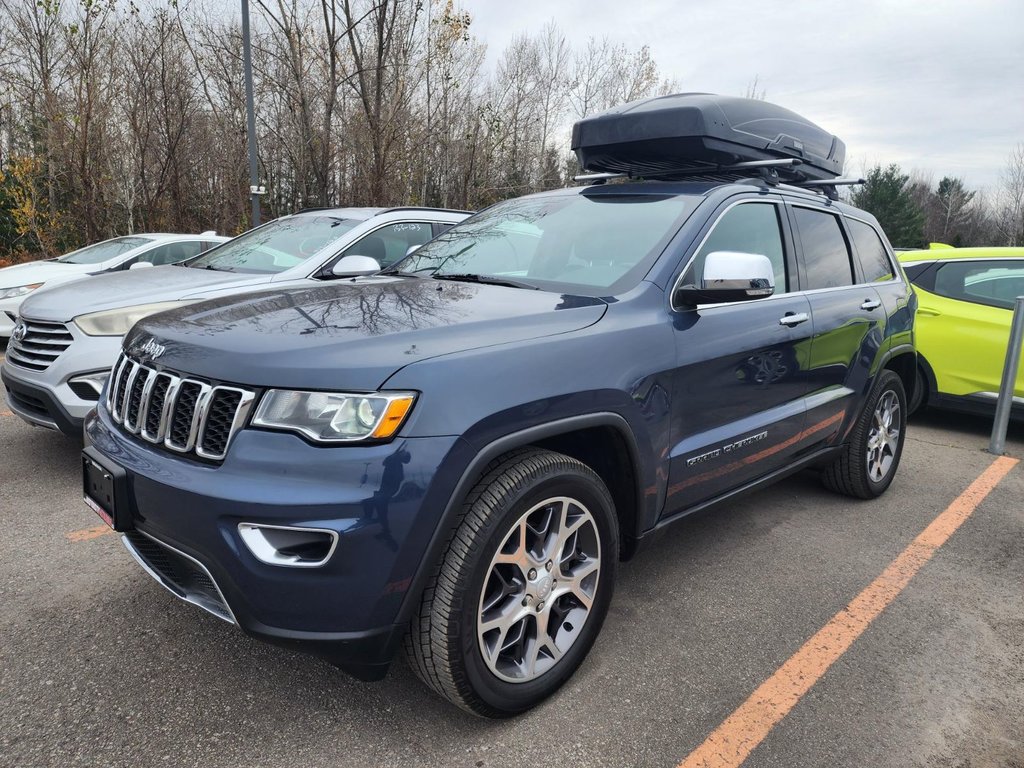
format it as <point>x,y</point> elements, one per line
<point>849,323</point>
<point>964,321</point>
<point>739,385</point>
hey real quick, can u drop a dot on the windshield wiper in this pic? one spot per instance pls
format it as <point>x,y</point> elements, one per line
<point>485,279</point>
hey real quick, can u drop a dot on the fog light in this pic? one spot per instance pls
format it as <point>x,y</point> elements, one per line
<point>289,546</point>
<point>90,386</point>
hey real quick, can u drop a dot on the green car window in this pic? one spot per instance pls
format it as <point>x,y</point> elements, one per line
<point>993,283</point>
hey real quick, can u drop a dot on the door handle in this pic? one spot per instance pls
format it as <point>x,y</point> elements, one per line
<point>792,319</point>
<point>870,304</point>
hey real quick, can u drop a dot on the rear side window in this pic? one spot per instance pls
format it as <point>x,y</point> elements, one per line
<point>747,228</point>
<point>825,252</point>
<point>993,283</point>
<point>871,252</point>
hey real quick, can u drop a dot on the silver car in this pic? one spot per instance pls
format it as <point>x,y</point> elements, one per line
<point>129,252</point>
<point>67,338</point>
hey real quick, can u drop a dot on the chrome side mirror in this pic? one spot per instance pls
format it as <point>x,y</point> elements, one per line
<point>729,276</point>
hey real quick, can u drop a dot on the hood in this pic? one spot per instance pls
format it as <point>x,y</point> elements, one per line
<point>127,289</point>
<point>41,272</point>
<point>352,335</point>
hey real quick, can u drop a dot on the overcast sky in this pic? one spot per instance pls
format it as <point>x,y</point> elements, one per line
<point>933,85</point>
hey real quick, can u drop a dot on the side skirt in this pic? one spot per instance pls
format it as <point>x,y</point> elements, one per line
<point>818,457</point>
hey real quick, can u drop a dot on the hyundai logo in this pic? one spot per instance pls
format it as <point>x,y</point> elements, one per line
<point>153,349</point>
<point>19,332</point>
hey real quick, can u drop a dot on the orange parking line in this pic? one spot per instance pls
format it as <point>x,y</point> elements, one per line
<point>5,412</point>
<point>732,741</point>
<point>90,533</point>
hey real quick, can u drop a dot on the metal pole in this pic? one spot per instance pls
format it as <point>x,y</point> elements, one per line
<point>250,108</point>
<point>1005,401</point>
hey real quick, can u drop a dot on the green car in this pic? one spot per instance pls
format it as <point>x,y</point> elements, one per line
<point>965,304</point>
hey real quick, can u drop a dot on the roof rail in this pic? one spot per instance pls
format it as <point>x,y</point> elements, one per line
<point>423,208</point>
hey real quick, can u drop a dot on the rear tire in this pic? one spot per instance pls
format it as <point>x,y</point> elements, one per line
<point>523,588</point>
<point>869,460</point>
<point>920,397</point>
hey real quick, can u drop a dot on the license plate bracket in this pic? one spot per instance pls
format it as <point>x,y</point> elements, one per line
<point>105,490</point>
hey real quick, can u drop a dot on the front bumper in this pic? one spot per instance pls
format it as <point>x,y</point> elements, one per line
<point>62,407</point>
<point>38,406</point>
<point>347,611</point>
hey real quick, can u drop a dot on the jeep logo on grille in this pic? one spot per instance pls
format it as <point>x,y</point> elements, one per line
<point>153,349</point>
<point>19,332</point>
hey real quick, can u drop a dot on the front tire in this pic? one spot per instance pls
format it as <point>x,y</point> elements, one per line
<point>869,460</point>
<point>523,589</point>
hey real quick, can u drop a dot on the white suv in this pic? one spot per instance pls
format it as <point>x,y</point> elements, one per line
<point>21,280</point>
<point>68,338</point>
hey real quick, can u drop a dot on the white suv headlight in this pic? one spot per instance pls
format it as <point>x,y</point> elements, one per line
<point>117,322</point>
<point>332,417</point>
<point>21,290</point>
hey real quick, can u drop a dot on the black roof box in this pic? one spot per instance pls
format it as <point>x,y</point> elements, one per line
<point>693,133</point>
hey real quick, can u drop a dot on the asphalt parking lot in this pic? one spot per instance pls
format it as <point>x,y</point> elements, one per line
<point>100,666</point>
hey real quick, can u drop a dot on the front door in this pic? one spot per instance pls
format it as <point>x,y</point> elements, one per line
<point>740,382</point>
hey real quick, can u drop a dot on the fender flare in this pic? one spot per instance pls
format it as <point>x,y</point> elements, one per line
<point>452,511</point>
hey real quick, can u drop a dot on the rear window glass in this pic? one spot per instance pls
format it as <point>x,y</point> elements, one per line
<point>108,249</point>
<point>825,253</point>
<point>871,252</point>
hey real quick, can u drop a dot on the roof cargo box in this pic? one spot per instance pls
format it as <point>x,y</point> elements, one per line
<point>693,133</point>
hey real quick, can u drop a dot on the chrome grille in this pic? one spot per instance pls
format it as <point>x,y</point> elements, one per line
<point>42,344</point>
<point>182,414</point>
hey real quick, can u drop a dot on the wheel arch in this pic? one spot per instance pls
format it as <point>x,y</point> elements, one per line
<point>903,362</point>
<point>599,440</point>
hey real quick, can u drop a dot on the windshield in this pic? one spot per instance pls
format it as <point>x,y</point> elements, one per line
<point>108,249</point>
<point>276,246</point>
<point>589,244</point>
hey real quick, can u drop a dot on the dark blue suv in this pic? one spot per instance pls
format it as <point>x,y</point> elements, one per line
<point>455,454</point>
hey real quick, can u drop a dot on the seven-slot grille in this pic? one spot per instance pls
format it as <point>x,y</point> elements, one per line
<point>42,344</point>
<point>184,415</point>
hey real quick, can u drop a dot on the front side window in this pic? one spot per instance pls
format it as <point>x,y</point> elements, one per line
<point>390,244</point>
<point>747,228</point>
<point>871,252</point>
<point>100,252</point>
<point>993,283</point>
<point>595,243</point>
<point>172,253</point>
<point>277,245</point>
<point>825,252</point>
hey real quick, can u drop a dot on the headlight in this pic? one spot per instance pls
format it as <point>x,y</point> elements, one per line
<point>117,322</point>
<point>21,290</point>
<point>331,417</point>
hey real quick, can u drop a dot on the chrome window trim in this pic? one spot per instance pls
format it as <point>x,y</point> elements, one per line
<point>894,263</point>
<point>707,235</point>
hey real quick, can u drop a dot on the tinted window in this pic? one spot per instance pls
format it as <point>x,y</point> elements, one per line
<point>587,243</point>
<point>390,244</point>
<point>825,253</point>
<point>171,253</point>
<point>871,252</point>
<point>995,283</point>
<point>747,228</point>
<point>108,249</point>
<point>277,245</point>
